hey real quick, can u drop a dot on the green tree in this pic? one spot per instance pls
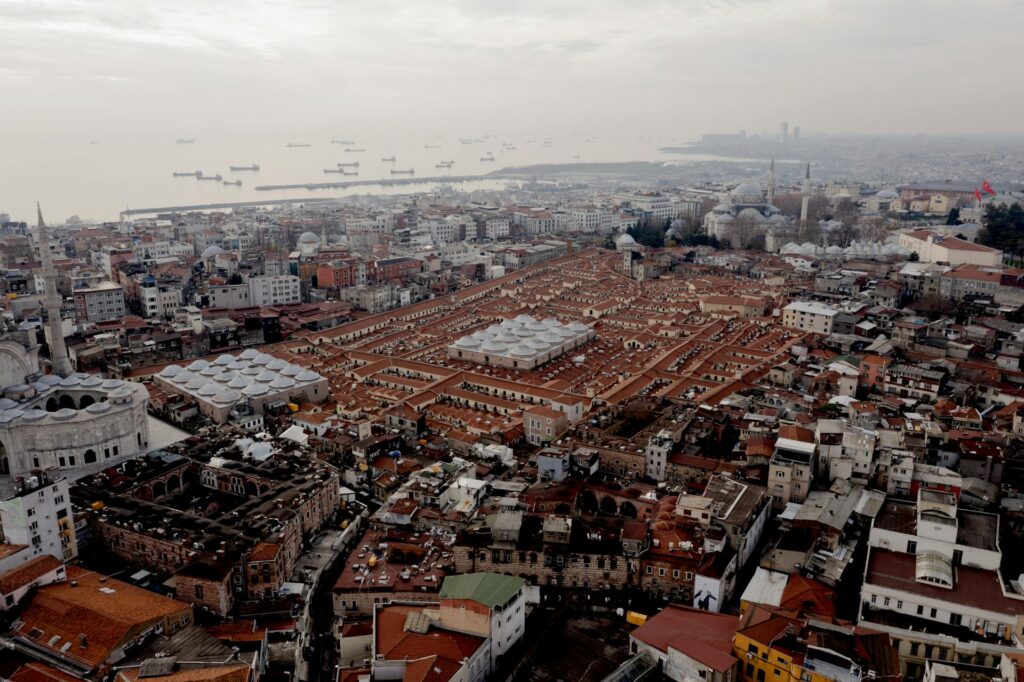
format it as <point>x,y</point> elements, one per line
<point>1003,227</point>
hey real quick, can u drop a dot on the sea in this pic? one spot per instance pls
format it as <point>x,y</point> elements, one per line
<point>96,176</point>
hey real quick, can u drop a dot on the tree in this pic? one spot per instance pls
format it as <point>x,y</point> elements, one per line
<point>954,217</point>
<point>1003,227</point>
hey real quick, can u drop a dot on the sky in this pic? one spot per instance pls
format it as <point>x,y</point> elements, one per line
<point>679,67</point>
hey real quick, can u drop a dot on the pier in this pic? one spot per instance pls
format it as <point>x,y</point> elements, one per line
<point>302,200</point>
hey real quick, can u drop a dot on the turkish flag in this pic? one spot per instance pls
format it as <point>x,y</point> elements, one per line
<point>977,194</point>
<point>987,188</point>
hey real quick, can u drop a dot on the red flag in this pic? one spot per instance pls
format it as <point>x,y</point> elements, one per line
<point>977,194</point>
<point>987,188</point>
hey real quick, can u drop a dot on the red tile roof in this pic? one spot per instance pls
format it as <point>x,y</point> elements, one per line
<point>27,572</point>
<point>703,636</point>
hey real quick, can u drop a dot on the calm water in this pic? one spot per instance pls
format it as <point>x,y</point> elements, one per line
<point>96,176</point>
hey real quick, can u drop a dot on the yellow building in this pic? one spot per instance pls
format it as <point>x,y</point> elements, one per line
<point>775,645</point>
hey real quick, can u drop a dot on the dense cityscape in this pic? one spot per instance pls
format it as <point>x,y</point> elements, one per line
<point>766,429</point>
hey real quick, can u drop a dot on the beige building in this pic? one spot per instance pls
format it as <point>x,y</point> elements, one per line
<point>743,306</point>
<point>932,247</point>
<point>809,316</point>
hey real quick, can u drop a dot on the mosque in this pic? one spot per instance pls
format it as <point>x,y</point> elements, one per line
<point>747,202</point>
<point>73,423</point>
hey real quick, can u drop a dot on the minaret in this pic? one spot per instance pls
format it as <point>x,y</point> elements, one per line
<point>805,201</point>
<point>771,183</point>
<point>51,301</point>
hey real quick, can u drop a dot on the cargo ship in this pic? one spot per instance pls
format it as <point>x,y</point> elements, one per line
<point>347,142</point>
<point>354,149</point>
<point>333,170</point>
<point>411,171</point>
<point>388,159</point>
<point>444,164</point>
<point>216,177</point>
<point>294,145</point>
<point>253,167</point>
<point>236,183</point>
<point>193,174</point>
<point>487,158</point>
<point>351,164</point>
<point>186,140</point>
<point>345,172</point>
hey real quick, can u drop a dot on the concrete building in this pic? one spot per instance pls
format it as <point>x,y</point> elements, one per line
<point>38,516</point>
<point>268,290</point>
<point>792,466</point>
<point>932,582</point>
<point>102,303</point>
<point>489,605</point>
<point>809,316</point>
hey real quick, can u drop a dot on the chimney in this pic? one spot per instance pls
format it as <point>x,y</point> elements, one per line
<point>83,641</point>
<point>74,583</point>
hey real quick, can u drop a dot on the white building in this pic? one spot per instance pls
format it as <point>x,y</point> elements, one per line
<point>932,582</point>
<point>160,300</point>
<point>38,515</point>
<point>809,316</point>
<point>932,247</point>
<point>489,605</point>
<point>269,290</point>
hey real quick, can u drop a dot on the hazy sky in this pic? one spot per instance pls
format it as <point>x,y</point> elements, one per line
<point>464,66</point>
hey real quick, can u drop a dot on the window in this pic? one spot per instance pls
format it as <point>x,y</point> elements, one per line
<point>199,591</point>
<point>920,610</point>
<point>661,572</point>
<point>885,602</point>
<point>911,546</point>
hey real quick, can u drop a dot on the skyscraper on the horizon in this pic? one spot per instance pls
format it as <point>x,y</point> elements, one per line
<point>784,132</point>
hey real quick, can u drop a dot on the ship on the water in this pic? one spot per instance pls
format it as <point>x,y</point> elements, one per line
<point>345,172</point>
<point>350,164</point>
<point>186,140</point>
<point>253,167</point>
<point>354,149</point>
<point>411,171</point>
<point>193,174</point>
<point>293,145</point>
<point>216,177</point>
<point>236,183</point>
<point>334,170</point>
<point>388,159</point>
<point>348,142</point>
<point>445,164</point>
<point>487,158</point>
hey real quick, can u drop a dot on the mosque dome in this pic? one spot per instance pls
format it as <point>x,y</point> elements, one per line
<point>625,240</point>
<point>211,251</point>
<point>746,192</point>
